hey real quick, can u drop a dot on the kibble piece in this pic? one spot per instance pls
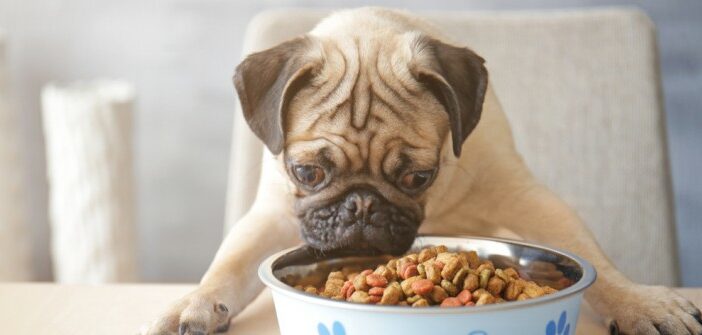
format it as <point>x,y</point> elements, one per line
<point>374,299</point>
<point>511,272</point>
<point>407,285</point>
<point>360,297</point>
<point>422,286</point>
<point>485,299</point>
<point>549,289</point>
<point>513,289</point>
<point>451,302</point>
<point>522,297</point>
<point>360,282</point>
<point>421,303</point>
<point>347,289</point>
<point>449,287</point>
<point>386,272</point>
<point>533,290</point>
<point>459,277</point>
<point>332,288</point>
<point>438,294</point>
<point>473,259</point>
<point>495,286</point>
<point>422,271</point>
<point>432,272</point>
<point>478,293</point>
<point>465,296</point>
<point>451,268</point>
<point>484,277</point>
<point>502,275</point>
<point>376,291</point>
<point>391,295</point>
<point>336,275</point>
<point>311,289</point>
<point>440,248</point>
<point>376,280</point>
<point>426,254</point>
<point>472,282</point>
<point>414,299</point>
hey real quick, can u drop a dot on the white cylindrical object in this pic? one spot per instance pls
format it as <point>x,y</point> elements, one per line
<point>15,246</point>
<point>88,131</point>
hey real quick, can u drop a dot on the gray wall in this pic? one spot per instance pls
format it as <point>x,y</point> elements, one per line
<point>180,55</point>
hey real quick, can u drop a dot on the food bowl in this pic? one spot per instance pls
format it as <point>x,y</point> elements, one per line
<point>300,313</point>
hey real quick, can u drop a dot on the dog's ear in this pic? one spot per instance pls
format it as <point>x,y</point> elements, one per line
<point>266,81</point>
<point>457,77</point>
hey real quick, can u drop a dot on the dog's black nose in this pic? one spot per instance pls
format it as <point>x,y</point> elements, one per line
<point>362,202</point>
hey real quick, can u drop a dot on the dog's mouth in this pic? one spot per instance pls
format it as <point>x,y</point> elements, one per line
<point>363,221</point>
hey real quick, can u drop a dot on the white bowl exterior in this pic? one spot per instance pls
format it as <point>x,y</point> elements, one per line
<point>298,317</point>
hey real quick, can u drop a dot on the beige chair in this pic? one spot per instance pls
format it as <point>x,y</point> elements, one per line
<point>582,92</point>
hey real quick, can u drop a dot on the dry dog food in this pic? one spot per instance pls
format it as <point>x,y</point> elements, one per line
<point>434,276</point>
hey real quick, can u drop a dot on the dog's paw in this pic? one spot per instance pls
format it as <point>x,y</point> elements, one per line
<point>654,310</point>
<point>195,314</point>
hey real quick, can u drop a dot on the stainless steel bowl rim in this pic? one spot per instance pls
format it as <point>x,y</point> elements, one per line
<point>265,273</point>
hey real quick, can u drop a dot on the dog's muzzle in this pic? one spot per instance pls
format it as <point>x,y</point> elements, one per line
<point>364,221</point>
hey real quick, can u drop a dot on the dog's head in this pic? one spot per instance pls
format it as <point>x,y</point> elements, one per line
<point>361,125</point>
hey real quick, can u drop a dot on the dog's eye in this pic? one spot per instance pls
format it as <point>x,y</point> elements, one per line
<point>417,180</point>
<point>309,175</point>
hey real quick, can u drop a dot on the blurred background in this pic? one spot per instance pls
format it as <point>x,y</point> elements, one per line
<point>179,56</point>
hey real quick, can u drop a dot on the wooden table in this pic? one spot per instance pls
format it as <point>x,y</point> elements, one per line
<point>122,309</point>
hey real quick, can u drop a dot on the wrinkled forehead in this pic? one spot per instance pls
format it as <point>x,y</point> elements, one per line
<point>364,111</point>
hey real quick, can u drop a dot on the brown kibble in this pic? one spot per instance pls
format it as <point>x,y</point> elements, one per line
<point>421,270</point>
<point>376,291</point>
<point>459,278</point>
<point>376,280</point>
<point>374,299</point>
<point>406,285</point>
<point>391,295</point>
<point>470,303</point>
<point>333,287</point>
<point>421,303</point>
<point>392,264</point>
<point>449,287</point>
<point>485,299</point>
<point>360,297</point>
<point>486,265</point>
<point>465,296</point>
<point>502,275</point>
<point>522,297</point>
<point>479,292</point>
<point>432,272</point>
<point>438,294</point>
<point>311,289</point>
<point>336,275</point>
<point>513,289</point>
<point>511,272</point>
<point>473,259</point>
<point>533,290</point>
<point>386,272</point>
<point>426,254</point>
<point>484,277</point>
<point>451,268</point>
<point>422,286</point>
<point>451,302</point>
<point>471,283</point>
<point>495,286</point>
<point>440,248</point>
<point>360,282</point>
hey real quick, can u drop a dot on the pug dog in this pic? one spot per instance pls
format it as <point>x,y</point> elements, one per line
<point>379,128</point>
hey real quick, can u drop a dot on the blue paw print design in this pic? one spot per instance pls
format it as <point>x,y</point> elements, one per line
<point>562,328</point>
<point>337,329</point>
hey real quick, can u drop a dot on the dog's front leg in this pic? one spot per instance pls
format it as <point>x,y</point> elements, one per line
<point>231,282</point>
<point>537,214</point>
